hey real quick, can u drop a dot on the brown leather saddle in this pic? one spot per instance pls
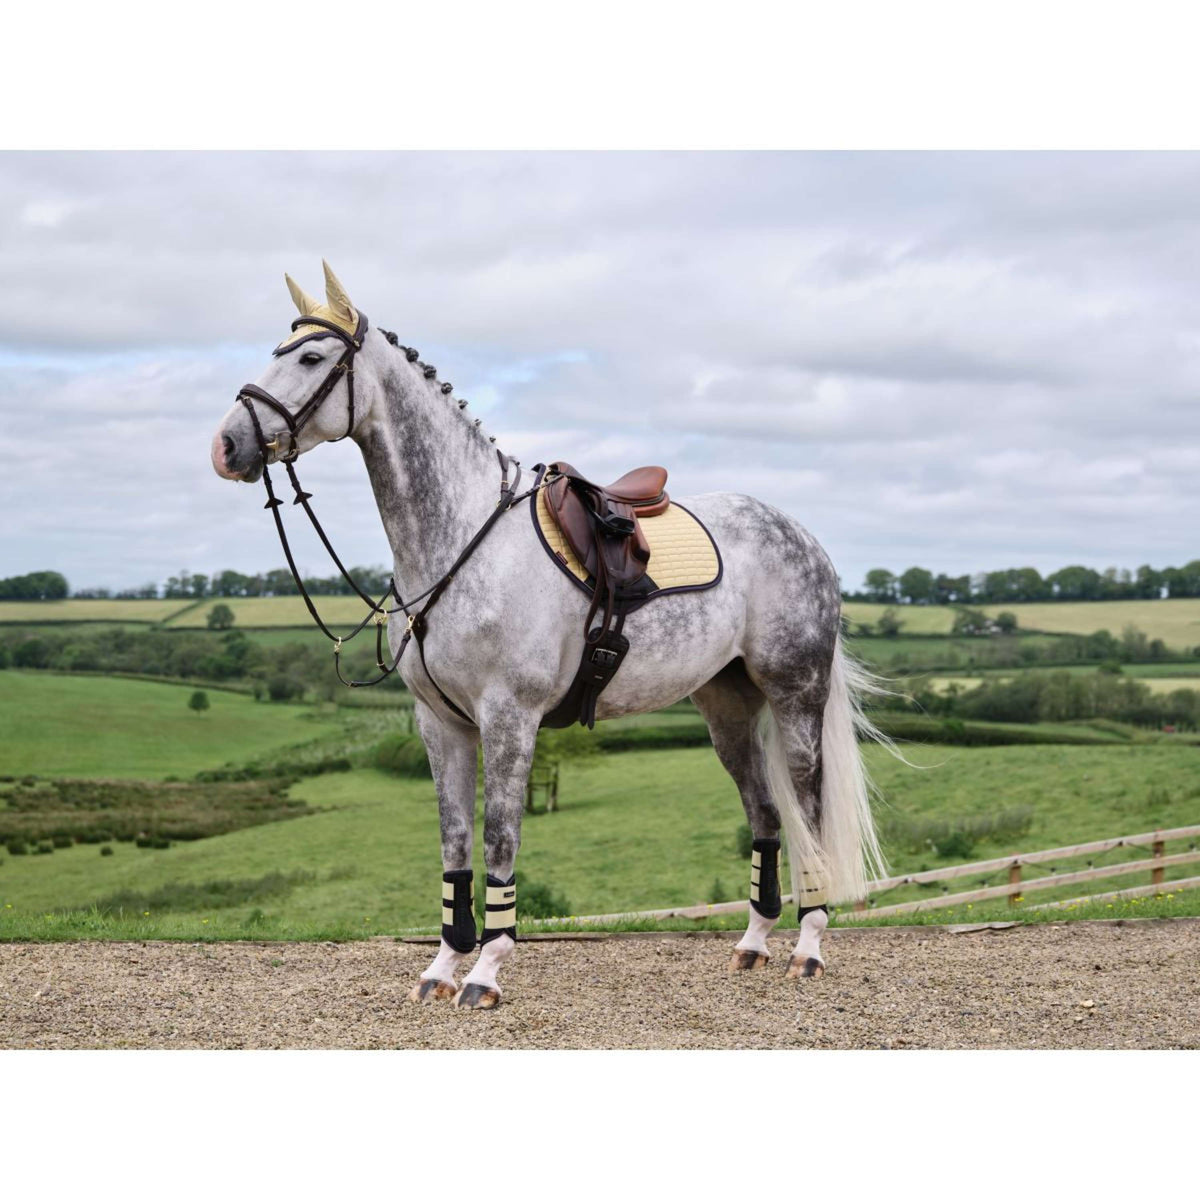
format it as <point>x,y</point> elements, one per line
<point>600,524</point>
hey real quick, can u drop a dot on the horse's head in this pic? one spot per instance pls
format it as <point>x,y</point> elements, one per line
<point>314,390</point>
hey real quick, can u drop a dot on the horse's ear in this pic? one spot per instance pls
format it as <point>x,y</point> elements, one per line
<point>304,302</point>
<point>335,295</point>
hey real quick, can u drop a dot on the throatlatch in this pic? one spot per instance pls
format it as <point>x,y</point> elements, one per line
<point>764,878</point>
<point>501,910</point>
<point>458,910</point>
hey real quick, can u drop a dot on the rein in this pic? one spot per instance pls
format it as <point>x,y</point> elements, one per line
<point>377,612</point>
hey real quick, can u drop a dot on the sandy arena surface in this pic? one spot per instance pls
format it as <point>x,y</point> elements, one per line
<point>1096,985</point>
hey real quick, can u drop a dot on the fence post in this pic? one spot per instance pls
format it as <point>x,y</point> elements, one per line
<point>1156,875</point>
<point>1014,876</point>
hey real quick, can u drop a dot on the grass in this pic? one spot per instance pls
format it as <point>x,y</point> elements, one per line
<point>91,725</point>
<point>638,830</point>
<point>1177,622</point>
<point>915,618</point>
<point>1156,678</point>
<point>905,654</point>
<point>276,611</point>
<point>56,611</point>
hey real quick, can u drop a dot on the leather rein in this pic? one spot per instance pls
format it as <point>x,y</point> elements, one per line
<point>377,611</point>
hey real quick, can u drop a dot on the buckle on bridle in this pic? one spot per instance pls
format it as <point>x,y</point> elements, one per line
<point>283,452</point>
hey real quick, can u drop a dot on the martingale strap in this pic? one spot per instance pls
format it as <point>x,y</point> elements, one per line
<point>500,915</point>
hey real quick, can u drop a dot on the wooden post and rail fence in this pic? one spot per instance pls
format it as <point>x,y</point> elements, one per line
<point>1015,889</point>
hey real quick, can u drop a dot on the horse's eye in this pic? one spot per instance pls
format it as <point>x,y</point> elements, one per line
<point>310,359</point>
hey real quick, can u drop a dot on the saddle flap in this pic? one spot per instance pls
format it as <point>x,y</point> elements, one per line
<point>574,521</point>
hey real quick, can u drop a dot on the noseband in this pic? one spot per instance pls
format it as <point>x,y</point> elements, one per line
<point>298,419</point>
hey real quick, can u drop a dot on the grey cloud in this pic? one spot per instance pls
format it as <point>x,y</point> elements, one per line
<point>967,360</point>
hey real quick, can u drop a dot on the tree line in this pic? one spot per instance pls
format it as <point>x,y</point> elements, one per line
<point>1025,584</point>
<point>1106,694</point>
<point>50,585</point>
<point>284,672</point>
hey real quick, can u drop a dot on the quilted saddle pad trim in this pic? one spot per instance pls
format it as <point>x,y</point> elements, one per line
<point>701,564</point>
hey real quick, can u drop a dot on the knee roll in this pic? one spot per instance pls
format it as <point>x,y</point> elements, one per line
<point>458,910</point>
<point>764,878</point>
<point>500,914</point>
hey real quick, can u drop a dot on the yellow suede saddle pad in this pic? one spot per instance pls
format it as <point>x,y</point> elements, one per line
<point>683,555</point>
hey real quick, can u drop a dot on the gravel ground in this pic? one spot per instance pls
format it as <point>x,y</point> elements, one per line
<point>1085,986</point>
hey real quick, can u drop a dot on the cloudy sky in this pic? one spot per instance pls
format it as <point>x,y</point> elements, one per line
<point>963,361</point>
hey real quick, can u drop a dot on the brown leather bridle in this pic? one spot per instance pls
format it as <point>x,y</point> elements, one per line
<point>298,419</point>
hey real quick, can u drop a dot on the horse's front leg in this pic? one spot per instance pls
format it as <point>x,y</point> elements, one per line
<point>509,735</point>
<point>451,750</point>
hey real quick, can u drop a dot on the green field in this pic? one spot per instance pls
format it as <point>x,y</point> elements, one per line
<point>277,611</point>
<point>82,725</point>
<point>1160,684</point>
<point>915,619</point>
<point>637,830</point>
<point>1176,622</point>
<point>56,611</point>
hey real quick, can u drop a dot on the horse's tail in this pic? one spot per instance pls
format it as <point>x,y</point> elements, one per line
<point>844,851</point>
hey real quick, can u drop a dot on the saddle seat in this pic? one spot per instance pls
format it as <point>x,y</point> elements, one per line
<point>602,524</point>
<point>643,487</point>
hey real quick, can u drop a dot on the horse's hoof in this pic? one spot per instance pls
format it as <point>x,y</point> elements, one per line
<point>809,968</point>
<point>477,995</point>
<point>747,960</point>
<point>429,990</point>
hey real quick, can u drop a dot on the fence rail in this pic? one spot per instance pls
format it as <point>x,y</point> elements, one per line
<point>1155,865</point>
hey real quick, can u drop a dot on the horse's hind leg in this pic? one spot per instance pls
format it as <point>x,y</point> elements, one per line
<point>731,705</point>
<point>796,748</point>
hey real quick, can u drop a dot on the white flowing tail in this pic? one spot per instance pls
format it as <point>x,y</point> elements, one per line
<point>845,853</point>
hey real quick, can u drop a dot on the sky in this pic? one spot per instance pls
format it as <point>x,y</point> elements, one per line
<point>964,361</point>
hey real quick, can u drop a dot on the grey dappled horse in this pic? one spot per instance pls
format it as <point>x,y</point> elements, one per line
<point>759,654</point>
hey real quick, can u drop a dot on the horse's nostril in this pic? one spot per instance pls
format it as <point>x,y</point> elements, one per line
<point>228,446</point>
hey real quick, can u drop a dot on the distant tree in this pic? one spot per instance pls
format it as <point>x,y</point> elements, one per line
<point>889,623</point>
<point>1135,645</point>
<point>199,587</point>
<point>1075,583</point>
<point>1030,585</point>
<point>198,702</point>
<point>1006,622</point>
<point>220,616</point>
<point>279,582</point>
<point>951,589</point>
<point>32,652</point>
<point>880,585</point>
<point>1148,583</point>
<point>916,585</point>
<point>37,585</point>
<point>970,621</point>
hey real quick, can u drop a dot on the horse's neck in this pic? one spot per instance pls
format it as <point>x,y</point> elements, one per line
<point>435,476</point>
